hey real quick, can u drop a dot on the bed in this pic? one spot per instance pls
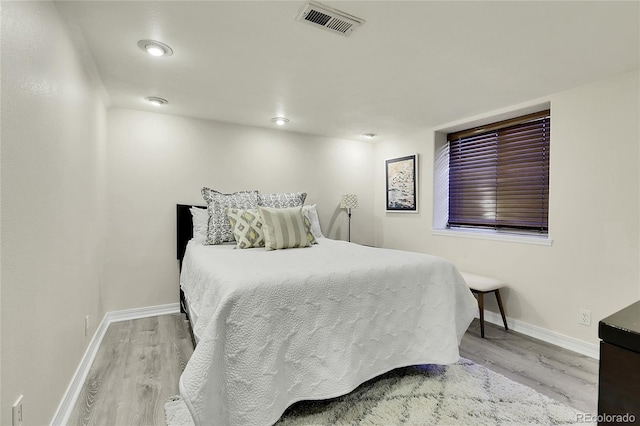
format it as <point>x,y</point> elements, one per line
<point>276,327</point>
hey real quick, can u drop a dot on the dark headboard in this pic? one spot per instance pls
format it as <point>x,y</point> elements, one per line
<point>184,228</point>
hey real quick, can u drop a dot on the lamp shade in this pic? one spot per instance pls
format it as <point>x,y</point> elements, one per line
<point>349,201</point>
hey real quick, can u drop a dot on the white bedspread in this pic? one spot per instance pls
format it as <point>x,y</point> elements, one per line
<point>276,327</point>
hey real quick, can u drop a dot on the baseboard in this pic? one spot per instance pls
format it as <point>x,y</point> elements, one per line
<point>150,311</point>
<point>80,376</point>
<point>72,393</point>
<point>566,342</point>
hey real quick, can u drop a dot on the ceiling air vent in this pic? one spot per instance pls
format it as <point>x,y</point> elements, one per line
<point>328,18</point>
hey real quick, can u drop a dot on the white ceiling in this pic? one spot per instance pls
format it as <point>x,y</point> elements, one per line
<point>412,65</point>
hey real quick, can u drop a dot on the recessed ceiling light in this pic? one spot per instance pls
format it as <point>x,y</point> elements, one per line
<point>155,48</point>
<point>369,135</point>
<point>280,121</point>
<point>156,101</point>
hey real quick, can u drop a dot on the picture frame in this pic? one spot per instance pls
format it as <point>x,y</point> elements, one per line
<point>402,184</point>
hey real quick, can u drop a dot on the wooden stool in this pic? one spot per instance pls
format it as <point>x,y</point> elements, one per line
<point>480,285</point>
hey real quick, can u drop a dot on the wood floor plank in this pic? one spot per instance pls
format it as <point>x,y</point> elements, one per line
<point>103,378</point>
<point>143,386</point>
<point>558,373</point>
<point>139,364</point>
<point>136,369</point>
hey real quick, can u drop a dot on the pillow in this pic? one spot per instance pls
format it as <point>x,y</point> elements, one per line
<point>200,220</point>
<point>247,227</point>
<point>282,200</point>
<point>307,228</point>
<point>283,228</point>
<point>219,228</point>
<point>312,214</point>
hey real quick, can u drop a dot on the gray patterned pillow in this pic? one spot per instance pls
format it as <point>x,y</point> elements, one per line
<point>219,229</point>
<point>282,200</point>
<point>247,227</point>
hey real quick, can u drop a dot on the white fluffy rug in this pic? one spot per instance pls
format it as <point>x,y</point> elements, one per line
<point>460,394</point>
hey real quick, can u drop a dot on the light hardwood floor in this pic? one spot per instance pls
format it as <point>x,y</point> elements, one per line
<point>139,363</point>
<point>136,369</point>
<point>558,373</point>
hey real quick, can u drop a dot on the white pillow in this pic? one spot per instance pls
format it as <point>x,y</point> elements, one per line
<point>312,214</point>
<point>200,219</point>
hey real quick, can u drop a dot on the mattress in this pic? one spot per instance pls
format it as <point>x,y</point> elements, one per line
<point>276,327</point>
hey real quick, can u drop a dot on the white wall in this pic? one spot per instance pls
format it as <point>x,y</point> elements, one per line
<point>156,161</point>
<point>53,222</point>
<point>594,260</point>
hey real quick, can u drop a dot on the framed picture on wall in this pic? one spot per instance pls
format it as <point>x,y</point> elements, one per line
<point>402,184</point>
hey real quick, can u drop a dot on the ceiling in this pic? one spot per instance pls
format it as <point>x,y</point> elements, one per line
<point>412,65</point>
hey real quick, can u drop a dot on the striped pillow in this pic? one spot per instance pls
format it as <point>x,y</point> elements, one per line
<point>283,228</point>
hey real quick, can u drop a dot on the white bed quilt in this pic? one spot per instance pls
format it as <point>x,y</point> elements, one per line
<point>276,327</point>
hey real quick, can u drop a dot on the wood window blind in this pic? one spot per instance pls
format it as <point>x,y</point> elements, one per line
<point>499,175</point>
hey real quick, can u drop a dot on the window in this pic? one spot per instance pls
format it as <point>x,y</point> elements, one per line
<point>499,175</point>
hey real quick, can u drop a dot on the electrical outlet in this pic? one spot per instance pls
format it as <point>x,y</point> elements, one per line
<point>584,317</point>
<point>17,412</point>
<point>86,326</point>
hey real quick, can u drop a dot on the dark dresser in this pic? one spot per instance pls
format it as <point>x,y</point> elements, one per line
<point>619,382</point>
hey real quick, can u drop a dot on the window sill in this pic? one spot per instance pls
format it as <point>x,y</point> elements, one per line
<point>495,236</point>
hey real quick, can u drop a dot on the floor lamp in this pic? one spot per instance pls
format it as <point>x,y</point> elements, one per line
<point>349,201</point>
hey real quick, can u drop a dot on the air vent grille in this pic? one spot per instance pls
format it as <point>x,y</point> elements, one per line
<point>339,25</point>
<point>328,18</point>
<point>317,17</point>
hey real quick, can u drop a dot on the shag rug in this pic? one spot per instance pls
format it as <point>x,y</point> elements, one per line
<point>464,393</point>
